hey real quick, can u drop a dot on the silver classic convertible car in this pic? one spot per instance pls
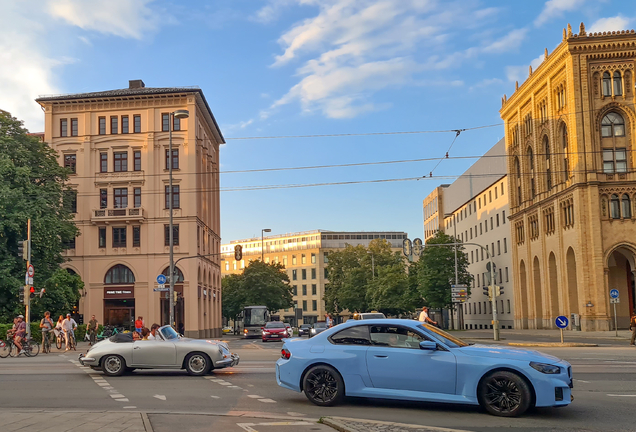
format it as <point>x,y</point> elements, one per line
<point>119,354</point>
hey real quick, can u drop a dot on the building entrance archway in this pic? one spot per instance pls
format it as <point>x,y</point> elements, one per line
<point>621,265</point>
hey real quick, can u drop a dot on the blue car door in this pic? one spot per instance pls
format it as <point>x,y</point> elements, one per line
<point>395,361</point>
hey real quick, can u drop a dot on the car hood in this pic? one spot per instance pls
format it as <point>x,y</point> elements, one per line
<point>497,351</point>
<point>276,330</point>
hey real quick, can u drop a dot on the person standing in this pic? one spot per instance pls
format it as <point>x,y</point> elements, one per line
<point>139,324</point>
<point>46,325</point>
<point>69,326</point>
<point>632,327</point>
<point>20,333</point>
<point>424,318</point>
<point>92,330</point>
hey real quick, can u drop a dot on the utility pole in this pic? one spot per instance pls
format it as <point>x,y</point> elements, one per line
<point>27,314</point>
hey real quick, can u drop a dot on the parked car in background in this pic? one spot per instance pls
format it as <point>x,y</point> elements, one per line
<point>407,360</point>
<point>304,329</point>
<point>274,330</point>
<point>368,315</point>
<point>290,332</point>
<point>318,327</point>
<point>227,329</point>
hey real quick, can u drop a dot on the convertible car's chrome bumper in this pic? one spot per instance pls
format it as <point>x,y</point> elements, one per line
<point>87,361</point>
<point>231,361</point>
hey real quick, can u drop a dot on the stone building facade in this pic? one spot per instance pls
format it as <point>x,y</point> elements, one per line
<point>571,169</point>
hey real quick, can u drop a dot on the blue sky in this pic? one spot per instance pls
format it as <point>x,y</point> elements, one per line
<point>305,67</point>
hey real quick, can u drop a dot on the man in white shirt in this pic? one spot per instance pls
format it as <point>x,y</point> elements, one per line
<point>153,332</point>
<point>424,317</point>
<point>68,326</point>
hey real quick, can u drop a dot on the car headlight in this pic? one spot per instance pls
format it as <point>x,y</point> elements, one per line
<point>313,330</point>
<point>545,368</point>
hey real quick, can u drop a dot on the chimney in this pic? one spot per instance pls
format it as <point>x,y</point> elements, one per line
<point>134,84</point>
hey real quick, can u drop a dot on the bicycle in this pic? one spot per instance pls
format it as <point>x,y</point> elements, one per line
<point>30,348</point>
<point>5,348</point>
<point>46,342</point>
<point>60,340</point>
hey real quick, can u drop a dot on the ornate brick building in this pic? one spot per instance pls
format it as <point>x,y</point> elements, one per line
<point>571,166</point>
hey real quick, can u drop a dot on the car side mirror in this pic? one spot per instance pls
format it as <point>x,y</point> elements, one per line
<point>428,345</point>
<point>262,328</point>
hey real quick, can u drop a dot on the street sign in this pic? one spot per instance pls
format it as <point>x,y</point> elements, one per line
<point>30,281</point>
<point>161,279</point>
<point>615,300</point>
<point>30,270</point>
<point>562,322</point>
<point>161,289</point>
<point>614,293</point>
<point>458,288</point>
<point>459,295</point>
<point>494,266</point>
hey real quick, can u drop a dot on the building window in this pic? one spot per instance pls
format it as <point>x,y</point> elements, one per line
<point>175,235</point>
<point>120,198</point>
<point>519,232</point>
<point>314,305</point>
<point>136,236</point>
<point>120,161</point>
<point>304,290</point>
<point>103,162</point>
<point>137,123</point>
<point>165,122</point>
<point>304,274</point>
<point>303,259</point>
<point>137,194</point>
<point>612,125</point>
<point>70,196</point>
<point>74,127</point>
<point>304,305</point>
<point>325,257</point>
<point>615,210</point>
<point>175,197</point>
<point>70,163</point>
<point>618,84</point>
<point>546,146</point>
<point>176,124</point>
<point>114,128</point>
<point>626,207</point>
<point>567,208</point>
<point>295,290</point>
<point>102,125</point>
<point>313,270</point>
<point>294,274</point>
<point>607,84</point>
<point>124,124</point>
<point>313,289</point>
<point>285,260</point>
<point>63,127</point>
<point>313,258</point>
<point>102,237</point>
<point>505,245</point>
<point>175,159</point>
<point>293,259</point>
<point>137,160</point>
<point>498,247</point>
<point>119,237</point>
<point>566,165</point>
<point>103,198</point>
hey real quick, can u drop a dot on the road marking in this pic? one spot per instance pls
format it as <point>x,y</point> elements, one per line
<point>255,396</point>
<point>578,380</point>
<point>225,383</point>
<point>248,426</point>
<point>215,397</point>
<point>625,395</point>
<point>266,400</point>
<point>122,400</point>
<point>130,407</point>
<point>160,397</point>
<point>234,386</point>
<point>117,396</point>
<point>291,413</point>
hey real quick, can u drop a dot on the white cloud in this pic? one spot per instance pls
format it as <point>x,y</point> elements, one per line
<point>556,8</point>
<point>125,18</point>
<point>520,73</point>
<point>486,83</point>
<point>351,49</point>
<point>610,24</point>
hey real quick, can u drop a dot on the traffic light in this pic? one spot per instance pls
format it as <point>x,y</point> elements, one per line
<point>32,292</point>
<point>499,290</point>
<point>176,296</point>
<point>23,249</point>
<point>22,295</point>
<point>238,252</point>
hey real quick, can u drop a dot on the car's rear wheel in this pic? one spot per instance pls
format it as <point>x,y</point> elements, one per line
<point>504,394</point>
<point>323,386</point>
<point>198,364</point>
<point>113,365</point>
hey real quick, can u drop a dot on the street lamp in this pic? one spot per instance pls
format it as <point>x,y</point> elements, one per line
<point>263,244</point>
<point>180,114</point>
<point>461,310</point>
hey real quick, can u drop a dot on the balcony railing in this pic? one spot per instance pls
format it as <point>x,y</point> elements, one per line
<point>124,214</point>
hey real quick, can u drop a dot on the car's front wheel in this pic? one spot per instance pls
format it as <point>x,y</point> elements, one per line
<point>323,386</point>
<point>198,364</point>
<point>113,365</point>
<point>504,394</point>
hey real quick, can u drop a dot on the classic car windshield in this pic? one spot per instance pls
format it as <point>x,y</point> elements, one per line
<point>169,333</point>
<point>449,340</point>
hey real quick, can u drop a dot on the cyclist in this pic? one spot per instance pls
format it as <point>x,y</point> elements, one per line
<point>20,333</point>
<point>46,325</point>
<point>69,326</point>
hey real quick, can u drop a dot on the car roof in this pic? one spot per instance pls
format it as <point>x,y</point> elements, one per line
<point>385,321</point>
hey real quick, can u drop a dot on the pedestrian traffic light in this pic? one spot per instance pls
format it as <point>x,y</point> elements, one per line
<point>499,290</point>
<point>23,249</point>
<point>176,296</point>
<point>22,295</point>
<point>238,252</point>
<point>32,292</point>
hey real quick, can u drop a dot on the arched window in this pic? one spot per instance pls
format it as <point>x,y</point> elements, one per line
<point>518,172</point>
<point>626,207</point>
<point>612,125</point>
<point>548,173</point>
<point>618,84</point>
<point>607,84</point>
<point>177,272</point>
<point>119,274</point>
<point>531,166</point>
<point>566,164</point>
<point>615,210</point>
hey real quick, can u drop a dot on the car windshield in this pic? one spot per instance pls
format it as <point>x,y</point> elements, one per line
<point>275,325</point>
<point>169,333</point>
<point>450,340</point>
<point>305,326</point>
<point>320,325</point>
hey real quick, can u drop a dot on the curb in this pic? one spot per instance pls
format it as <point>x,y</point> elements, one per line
<point>146,421</point>
<point>343,424</point>
<point>553,344</point>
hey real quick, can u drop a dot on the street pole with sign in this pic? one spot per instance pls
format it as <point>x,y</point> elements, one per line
<point>614,298</point>
<point>30,273</point>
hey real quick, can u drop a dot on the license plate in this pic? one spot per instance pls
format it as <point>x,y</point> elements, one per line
<point>275,335</point>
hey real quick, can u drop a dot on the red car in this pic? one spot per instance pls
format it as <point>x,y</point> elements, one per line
<point>274,330</point>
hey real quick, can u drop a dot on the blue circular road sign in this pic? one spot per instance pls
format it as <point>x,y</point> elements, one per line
<point>161,279</point>
<point>562,322</point>
<point>614,293</point>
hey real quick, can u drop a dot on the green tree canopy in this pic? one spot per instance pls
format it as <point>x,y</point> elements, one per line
<point>260,284</point>
<point>436,271</point>
<point>32,186</point>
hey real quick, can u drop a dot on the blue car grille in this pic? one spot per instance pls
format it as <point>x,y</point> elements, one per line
<point>570,376</point>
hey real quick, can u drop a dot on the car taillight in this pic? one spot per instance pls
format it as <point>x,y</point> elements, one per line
<point>284,353</point>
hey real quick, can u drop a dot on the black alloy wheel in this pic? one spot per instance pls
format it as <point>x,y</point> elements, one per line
<point>504,394</point>
<point>323,386</point>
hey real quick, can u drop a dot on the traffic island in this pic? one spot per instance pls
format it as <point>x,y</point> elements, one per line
<point>553,344</point>
<point>345,424</point>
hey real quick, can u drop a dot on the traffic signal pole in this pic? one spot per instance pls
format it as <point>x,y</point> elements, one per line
<point>27,315</point>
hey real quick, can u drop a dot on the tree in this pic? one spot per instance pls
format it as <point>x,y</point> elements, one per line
<point>392,293</point>
<point>62,291</point>
<point>349,273</point>
<point>260,284</point>
<point>436,271</point>
<point>32,186</point>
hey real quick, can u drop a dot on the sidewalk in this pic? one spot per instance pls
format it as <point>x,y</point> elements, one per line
<point>546,336</point>
<point>344,424</point>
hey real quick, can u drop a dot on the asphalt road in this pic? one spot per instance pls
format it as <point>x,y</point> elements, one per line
<point>604,391</point>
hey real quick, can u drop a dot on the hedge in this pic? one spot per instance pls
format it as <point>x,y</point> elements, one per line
<point>36,334</point>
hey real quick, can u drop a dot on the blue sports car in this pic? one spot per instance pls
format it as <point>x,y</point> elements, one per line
<point>408,360</point>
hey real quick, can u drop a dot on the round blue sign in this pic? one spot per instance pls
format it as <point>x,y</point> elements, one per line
<point>161,279</point>
<point>562,322</point>
<point>614,293</point>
